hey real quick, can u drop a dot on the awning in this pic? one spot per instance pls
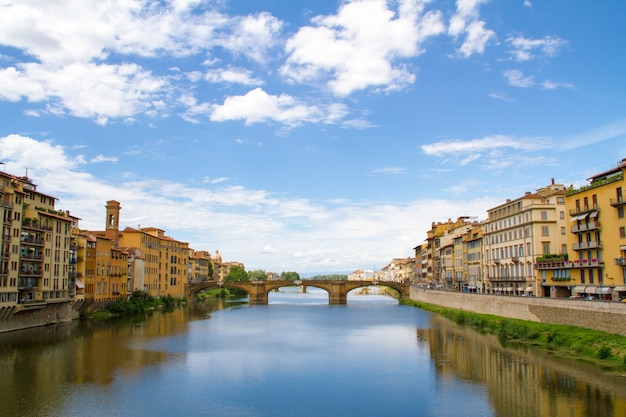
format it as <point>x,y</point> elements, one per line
<point>604,290</point>
<point>591,290</point>
<point>510,289</point>
<point>620,288</point>
<point>529,289</point>
<point>520,288</point>
<point>593,214</point>
<point>580,290</point>
<point>79,284</point>
<point>579,217</point>
<point>471,286</point>
<point>497,289</point>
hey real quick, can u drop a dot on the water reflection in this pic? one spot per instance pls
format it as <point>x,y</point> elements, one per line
<point>37,364</point>
<point>522,382</point>
<point>296,357</point>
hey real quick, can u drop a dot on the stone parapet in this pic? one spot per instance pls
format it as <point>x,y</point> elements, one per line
<point>606,316</point>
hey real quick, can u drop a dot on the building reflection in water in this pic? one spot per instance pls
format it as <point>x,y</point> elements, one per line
<point>36,364</point>
<point>523,382</point>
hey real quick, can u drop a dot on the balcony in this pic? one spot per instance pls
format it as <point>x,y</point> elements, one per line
<point>515,259</point>
<point>585,227</point>
<point>553,265</point>
<point>592,244</point>
<point>583,209</point>
<point>6,202</point>
<point>28,224</point>
<point>32,240</point>
<point>618,202</point>
<point>587,263</point>
<point>29,273</point>
<point>31,257</point>
<point>620,261</point>
<point>507,279</point>
<point>27,283</point>
<point>579,263</point>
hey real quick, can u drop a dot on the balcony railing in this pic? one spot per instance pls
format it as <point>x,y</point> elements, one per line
<point>5,202</point>
<point>617,202</point>
<point>33,241</point>
<point>579,263</point>
<point>583,209</point>
<point>32,256</point>
<point>29,273</point>
<point>592,244</point>
<point>620,261</point>
<point>24,283</point>
<point>585,227</point>
<point>507,279</point>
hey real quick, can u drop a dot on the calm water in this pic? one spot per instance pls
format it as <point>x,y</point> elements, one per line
<point>297,356</point>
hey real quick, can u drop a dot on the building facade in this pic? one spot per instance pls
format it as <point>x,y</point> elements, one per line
<point>518,232</point>
<point>35,249</point>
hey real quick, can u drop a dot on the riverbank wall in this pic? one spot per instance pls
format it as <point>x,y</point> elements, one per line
<point>26,316</point>
<point>604,316</point>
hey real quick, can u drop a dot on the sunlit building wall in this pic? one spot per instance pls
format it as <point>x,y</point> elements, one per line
<point>519,231</point>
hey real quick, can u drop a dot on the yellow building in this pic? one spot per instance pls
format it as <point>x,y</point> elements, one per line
<point>438,259</point>
<point>473,259</point>
<point>597,236</point>
<point>200,266</point>
<point>518,232</point>
<point>35,251</point>
<point>158,263</point>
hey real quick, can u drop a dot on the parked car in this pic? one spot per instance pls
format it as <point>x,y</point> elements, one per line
<point>590,298</point>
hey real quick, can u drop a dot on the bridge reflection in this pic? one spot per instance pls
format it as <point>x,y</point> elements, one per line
<point>258,291</point>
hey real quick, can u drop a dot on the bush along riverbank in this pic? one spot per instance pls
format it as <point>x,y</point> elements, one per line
<point>221,293</point>
<point>606,350</point>
<point>139,302</point>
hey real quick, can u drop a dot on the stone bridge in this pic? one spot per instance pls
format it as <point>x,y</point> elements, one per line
<point>258,291</point>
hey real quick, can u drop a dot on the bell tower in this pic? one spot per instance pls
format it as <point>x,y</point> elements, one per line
<point>112,220</point>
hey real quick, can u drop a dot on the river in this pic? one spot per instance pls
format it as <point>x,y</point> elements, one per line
<point>297,356</point>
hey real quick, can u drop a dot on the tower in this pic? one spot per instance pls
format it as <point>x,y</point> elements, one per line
<point>112,220</point>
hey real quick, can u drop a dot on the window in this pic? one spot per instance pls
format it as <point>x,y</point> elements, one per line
<point>622,232</point>
<point>562,215</point>
<point>546,247</point>
<point>545,231</point>
<point>620,212</point>
<point>544,215</point>
<point>563,231</point>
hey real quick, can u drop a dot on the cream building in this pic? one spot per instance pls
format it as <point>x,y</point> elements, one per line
<point>35,246</point>
<point>518,232</point>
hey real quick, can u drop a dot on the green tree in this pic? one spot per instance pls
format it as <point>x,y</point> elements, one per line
<point>289,276</point>
<point>236,273</point>
<point>257,275</point>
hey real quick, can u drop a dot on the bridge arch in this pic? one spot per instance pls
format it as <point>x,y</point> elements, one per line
<point>258,291</point>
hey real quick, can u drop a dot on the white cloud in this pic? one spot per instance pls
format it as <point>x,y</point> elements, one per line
<point>516,78</point>
<point>257,227</point>
<point>466,21</point>
<point>358,47</point>
<point>389,170</point>
<point>68,47</point>
<point>101,158</point>
<point>232,75</point>
<point>258,106</point>
<point>475,147</point>
<point>524,49</point>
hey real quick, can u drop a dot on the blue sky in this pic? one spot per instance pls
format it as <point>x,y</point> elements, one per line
<point>314,136</point>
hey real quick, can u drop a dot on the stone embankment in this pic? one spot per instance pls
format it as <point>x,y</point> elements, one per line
<point>25,316</point>
<point>606,316</point>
